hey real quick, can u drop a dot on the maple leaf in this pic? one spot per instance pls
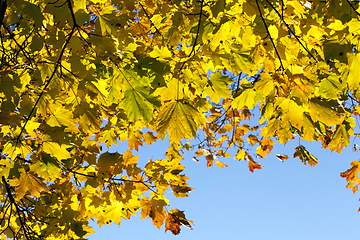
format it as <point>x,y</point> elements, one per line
<point>354,76</point>
<point>253,165</point>
<point>352,176</point>
<point>62,117</point>
<point>218,87</point>
<point>28,182</point>
<point>48,167</point>
<point>172,224</point>
<point>138,104</point>
<point>220,164</point>
<point>292,112</point>
<point>55,150</point>
<point>108,136</point>
<point>248,98</point>
<point>328,112</point>
<point>180,120</point>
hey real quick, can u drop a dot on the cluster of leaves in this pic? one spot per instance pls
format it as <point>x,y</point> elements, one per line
<point>80,74</point>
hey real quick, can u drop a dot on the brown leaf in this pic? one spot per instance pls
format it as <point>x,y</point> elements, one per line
<point>282,157</point>
<point>174,219</point>
<point>172,223</point>
<point>210,160</point>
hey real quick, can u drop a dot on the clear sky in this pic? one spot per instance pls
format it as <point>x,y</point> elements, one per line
<point>283,200</point>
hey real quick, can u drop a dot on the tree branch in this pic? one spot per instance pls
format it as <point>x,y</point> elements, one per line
<point>57,64</point>
<point>291,31</point>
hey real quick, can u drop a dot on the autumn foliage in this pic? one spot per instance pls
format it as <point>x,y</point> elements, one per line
<point>80,75</point>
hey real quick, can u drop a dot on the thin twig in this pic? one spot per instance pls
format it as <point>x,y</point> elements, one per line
<point>147,15</point>
<point>268,32</point>
<point>353,7</point>
<point>18,211</point>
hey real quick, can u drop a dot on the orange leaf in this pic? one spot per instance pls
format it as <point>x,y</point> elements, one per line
<point>158,217</point>
<point>220,164</point>
<point>253,165</point>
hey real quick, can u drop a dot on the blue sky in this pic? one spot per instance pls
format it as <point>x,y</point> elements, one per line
<point>283,200</point>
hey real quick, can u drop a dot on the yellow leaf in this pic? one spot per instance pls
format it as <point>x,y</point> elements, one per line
<point>62,117</point>
<point>129,159</point>
<point>108,136</point>
<point>292,112</point>
<point>249,98</point>
<point>353,79</point>
<point>113,212</point>
<point>220,164</point>
<point>149,138</point>
<point>274,31</point>
<point>180,119</point>
<point>28,182</point>
<point>327,112</point>
<point>13,150</point>
<point>55,150</point>
<point>160,53</point>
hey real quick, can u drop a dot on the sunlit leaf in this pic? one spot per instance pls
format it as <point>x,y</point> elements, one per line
<point>180,120</point>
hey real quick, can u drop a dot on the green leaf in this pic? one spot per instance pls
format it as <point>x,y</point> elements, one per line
<point>330,87</point>
<point>180,119</point>
<point>242,60</point>
<point>138,104</point>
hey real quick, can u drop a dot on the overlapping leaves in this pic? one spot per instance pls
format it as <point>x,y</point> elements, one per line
<point>77,76</point>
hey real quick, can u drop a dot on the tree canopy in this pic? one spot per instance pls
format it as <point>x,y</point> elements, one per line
<point>80,75</point>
